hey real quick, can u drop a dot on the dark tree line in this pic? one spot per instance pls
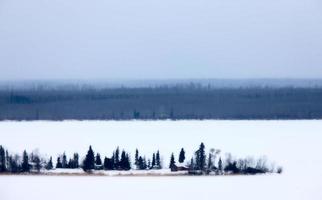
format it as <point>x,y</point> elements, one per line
<point>162,103</point>
<point>200,163</point>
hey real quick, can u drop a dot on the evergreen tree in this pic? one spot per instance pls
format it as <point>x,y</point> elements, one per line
<point>76,161</point>
<point>142,163</point>
<point>172,164</point>
<point>105,163</point>
<point>3,167</point>
<point>157,160</point>
<point>59,164</point>
<point>182,156</point>
<point>64,161</point>
<point>149,166</point>
<point>7,160</point>
<point>201,157</point>
<point>117,158</point>
<point>153,160</point>
<point>109,163</point>
<point>98,160</point>
<point>125,161</point>
<point>70,164</point>
<point>49,165</point>
<point>220,165</point>
<point>25,166</point>
<point>89,162</point>
<point>136,162</point>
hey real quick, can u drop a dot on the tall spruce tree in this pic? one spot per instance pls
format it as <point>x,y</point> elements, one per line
<point>98,160</point>
<point>153,161</point>
<point>105,163</point>
<point>64,161</point>
<point>3,167</point>
<point>201,157</point>
<point>172,164</point>
<point>158,160</point>
<point>89,161</point>
<point>136,162</point>
<point>25,166</point>
<point>125,161</point>
<point>142,163</point>
<point>59,164</point>
<point>76,161</point>
<point>182,156</point>
<point>49,164</point>
<point>7,160</point>
<point>117,158</point>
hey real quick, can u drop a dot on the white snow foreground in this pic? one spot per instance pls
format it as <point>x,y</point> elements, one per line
<point>159,172</point>
<point>295,145</point>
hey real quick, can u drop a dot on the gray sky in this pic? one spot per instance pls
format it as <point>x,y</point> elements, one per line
<point>78,39</point>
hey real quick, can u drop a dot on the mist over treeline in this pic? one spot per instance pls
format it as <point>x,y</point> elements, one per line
<point>162,83</point>
<point>186,101</point>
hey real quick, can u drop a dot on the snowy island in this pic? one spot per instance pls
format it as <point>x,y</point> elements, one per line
<point>120,164</point>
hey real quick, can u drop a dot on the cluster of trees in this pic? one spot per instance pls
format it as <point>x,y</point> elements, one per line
<point>62,162</point>
<point>142,163</point>
<point>16,164</point>
<point>199,164</point>
<point>118,161</point>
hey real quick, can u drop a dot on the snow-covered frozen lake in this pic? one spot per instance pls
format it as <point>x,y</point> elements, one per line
<point>296,145</point>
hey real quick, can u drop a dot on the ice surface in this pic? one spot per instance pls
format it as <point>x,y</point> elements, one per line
<point>296,145</point>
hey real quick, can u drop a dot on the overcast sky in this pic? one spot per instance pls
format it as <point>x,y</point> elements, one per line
<point>148,39</point>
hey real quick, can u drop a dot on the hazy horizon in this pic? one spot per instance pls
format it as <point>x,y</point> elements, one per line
<point>160,39</point>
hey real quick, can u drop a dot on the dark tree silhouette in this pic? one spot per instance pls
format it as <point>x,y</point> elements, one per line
<point>232,167</point>
<point>89,162</point>
<point>158,160</point>
<point>25,166</point>
<point>59,164</point>
<point>220,168</point>
<point>76,160</point>
<point>98,160</point>
<point>142,163</point>
<point>3,167</point>
<point>49,164</point>
<point>117,158</point>
<point>136,162</point>
<point>108,163</point>
<point>172,164</point>
<point>125,161</point>
<point>182,156</point>
<point>64,161</point>
<point>153,161</point>
<point>201,157</point>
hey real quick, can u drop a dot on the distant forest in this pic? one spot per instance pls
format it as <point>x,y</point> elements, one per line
<point>157,103</point>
